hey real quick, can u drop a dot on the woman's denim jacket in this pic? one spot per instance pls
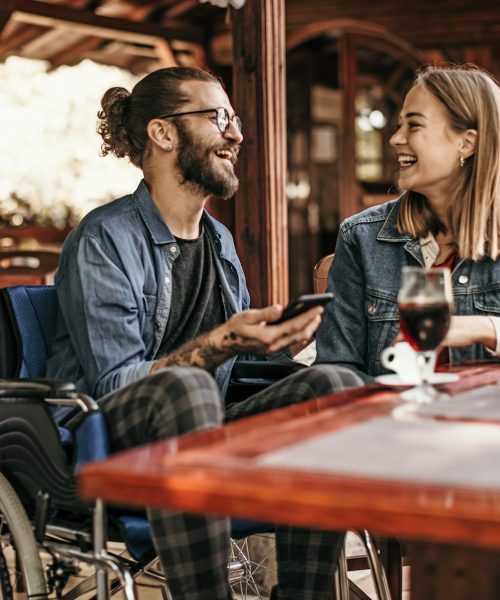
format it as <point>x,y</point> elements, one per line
<point>365,276</point>
<point>114,289</point>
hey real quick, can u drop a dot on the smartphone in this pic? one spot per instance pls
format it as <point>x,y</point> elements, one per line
<point>302,304</point>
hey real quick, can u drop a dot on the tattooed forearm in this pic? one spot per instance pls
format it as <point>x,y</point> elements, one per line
<point>209,351</point>
<point>187,355</point>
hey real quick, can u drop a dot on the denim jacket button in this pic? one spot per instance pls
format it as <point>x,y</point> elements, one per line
<point>371,309</point>
<point>173,249</point>
<point>463,279</point>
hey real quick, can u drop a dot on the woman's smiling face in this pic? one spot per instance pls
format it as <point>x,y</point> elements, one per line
<point>429,148</point>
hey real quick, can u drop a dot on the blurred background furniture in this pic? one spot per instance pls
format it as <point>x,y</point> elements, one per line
<point>28,267</point>
<point>320,274</point>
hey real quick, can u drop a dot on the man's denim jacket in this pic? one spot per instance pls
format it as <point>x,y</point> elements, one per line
<point>365,277</point>
<point>114,285</point>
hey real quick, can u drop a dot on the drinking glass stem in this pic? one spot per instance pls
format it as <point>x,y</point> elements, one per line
<point>423,358</point>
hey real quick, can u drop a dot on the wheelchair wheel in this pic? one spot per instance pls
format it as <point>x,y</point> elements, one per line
<point>16,531</point>
<point>5,586</point>
<point>252,566</point>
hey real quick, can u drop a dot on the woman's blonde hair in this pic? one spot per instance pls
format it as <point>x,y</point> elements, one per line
<point>472,99</point>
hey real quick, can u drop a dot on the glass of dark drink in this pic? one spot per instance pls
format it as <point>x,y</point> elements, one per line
<point>425,303</point>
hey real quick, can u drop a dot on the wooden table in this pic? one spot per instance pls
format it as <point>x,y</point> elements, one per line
<point>453,531</point>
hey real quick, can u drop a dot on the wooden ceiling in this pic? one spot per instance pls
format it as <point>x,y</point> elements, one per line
<point>127,34</point>
<point>143,34</point>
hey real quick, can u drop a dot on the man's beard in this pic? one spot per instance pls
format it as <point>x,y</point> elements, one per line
<point>197,168</point>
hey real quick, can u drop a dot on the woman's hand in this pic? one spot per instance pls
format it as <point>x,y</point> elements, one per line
<point>472,329</point>
<point>464,331</point>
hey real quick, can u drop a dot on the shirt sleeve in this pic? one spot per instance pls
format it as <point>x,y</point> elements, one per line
<point>496,325</point>
<point>102,317</point>
<point>342,335</point>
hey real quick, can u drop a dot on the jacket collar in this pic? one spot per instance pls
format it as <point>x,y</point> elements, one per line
<point>156,225</point>
<point>389,231</point>
<point>151,216</point>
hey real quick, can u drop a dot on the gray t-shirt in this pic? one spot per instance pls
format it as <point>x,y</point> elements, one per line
<point>196,294</point>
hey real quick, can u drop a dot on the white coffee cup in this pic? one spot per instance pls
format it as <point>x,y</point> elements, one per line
<point>402,359</point>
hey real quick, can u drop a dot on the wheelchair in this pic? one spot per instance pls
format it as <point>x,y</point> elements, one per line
<point>45,528</point>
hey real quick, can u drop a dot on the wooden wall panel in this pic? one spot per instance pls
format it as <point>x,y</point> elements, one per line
<point>445,572</point>
<point>424,23</point>
<point>259,98</point>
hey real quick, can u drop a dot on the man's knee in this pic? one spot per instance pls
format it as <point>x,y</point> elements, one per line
<point>167,403</point>
<point>330,379</point>
<point>192,398</point>
<point>187,379</point>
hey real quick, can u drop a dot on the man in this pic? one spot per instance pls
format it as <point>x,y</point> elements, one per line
<point>154,313</point>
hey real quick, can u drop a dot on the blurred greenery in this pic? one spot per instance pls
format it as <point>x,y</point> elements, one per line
<point>51,173</point>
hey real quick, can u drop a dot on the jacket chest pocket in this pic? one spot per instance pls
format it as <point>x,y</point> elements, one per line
<point>383,325</point>
<point>148,319</point>
<point>487,302</point>
<point>149,302</point>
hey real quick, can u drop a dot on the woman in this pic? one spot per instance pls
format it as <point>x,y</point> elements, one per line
<point>448,143</point>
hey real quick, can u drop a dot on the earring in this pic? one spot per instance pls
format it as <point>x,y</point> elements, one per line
<point>169,147</point>
<point>462,162</point>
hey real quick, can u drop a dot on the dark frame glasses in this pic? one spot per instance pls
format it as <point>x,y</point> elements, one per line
<point>223,118</point>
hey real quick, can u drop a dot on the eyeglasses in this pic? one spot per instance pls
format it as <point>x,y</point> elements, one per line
<point>223,118</point>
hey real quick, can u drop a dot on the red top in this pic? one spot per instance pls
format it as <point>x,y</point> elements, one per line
<point>450,261</point>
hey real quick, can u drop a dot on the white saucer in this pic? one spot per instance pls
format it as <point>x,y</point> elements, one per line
<point>435,379</point>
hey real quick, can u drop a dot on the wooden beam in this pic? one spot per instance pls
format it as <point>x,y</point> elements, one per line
<point>165,54</point>
<point>180,8</point>
<point>55,15</point>
<point>47,37</point>
<point>22,36</point>
<point>4,18</point>
<point>68,55</point>
<point>298,12</point>
<point>261,232</point>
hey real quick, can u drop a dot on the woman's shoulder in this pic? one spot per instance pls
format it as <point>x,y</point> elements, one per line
<point>374,214</point>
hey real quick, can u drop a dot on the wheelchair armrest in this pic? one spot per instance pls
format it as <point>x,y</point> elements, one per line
<point>269,370</point>
<point>37,388</point>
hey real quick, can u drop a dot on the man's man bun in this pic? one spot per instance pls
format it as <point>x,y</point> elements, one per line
<point>111,123</point>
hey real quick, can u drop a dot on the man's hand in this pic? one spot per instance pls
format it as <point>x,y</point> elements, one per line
<point>246,332</point>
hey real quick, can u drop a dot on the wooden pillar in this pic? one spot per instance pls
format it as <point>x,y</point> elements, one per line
<point>349,204</point>
<point>261,231</point>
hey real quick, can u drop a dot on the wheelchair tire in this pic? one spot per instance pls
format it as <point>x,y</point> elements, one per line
<point>15,517</point>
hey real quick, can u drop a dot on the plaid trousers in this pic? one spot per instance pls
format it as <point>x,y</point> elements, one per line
<point>194,549</point>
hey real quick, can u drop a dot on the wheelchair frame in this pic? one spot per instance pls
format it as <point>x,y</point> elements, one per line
<point>67,546</point>
<point>64,544</point>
